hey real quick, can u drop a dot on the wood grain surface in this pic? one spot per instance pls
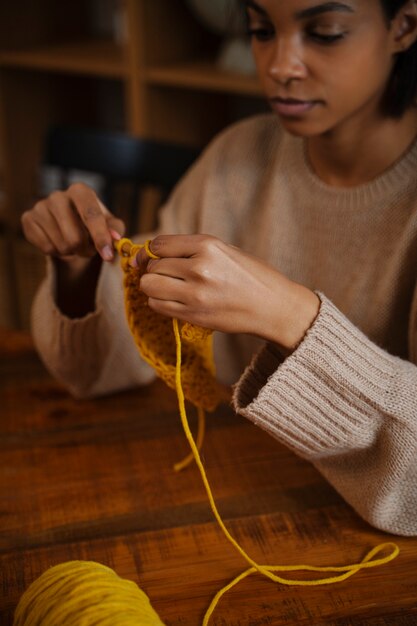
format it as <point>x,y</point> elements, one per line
<point>93,479</point>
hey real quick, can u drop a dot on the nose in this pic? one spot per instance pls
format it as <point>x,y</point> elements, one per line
<point>286,63</point>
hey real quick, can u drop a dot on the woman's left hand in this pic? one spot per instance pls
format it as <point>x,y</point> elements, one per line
<point>202,280</point>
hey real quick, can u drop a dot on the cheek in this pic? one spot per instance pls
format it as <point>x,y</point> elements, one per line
<point>358,76</point>
<point>259,61</point>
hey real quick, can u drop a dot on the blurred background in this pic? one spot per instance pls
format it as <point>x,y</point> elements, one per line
<point>100,91</point>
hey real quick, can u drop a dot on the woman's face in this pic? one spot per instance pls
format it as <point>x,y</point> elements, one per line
<point>322,64</point>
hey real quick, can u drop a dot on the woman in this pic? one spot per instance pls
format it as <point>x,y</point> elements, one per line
<point>309,249</point>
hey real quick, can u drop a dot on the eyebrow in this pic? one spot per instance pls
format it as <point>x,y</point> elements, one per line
<point>339,7</point>
<point>251,4</point>
<point>305,13</point>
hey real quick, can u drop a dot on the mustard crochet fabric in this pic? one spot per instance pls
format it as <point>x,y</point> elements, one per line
<point>153,335</point>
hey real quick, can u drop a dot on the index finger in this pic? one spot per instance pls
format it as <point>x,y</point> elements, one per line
<point>180,245</point>
<point>93,215</point>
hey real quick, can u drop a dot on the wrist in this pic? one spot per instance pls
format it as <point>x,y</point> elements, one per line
<point>75,286</point>
<point>294,320</point>
<point>70,270</point>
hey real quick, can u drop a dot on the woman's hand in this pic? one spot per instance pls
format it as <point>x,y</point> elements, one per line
<point>72,226</point>
<point>202,280</point>
<point>72,223</point>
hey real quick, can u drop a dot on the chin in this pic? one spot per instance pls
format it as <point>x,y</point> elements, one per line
<point>300,128</point>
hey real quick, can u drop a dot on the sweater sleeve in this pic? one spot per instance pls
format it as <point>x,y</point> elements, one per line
<point>92,355</point>
<point>350,408</point>
<point>95,354</point>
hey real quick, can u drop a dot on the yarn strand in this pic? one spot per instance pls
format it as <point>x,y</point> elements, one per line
<point>265,570</point>
<point>199,442</point>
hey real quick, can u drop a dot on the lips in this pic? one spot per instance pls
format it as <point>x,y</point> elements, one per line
<point>291,107</point>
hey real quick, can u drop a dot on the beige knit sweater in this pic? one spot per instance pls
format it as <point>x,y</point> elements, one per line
<point>346,398</point>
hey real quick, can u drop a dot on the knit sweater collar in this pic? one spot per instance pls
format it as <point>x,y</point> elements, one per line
<point>390,183</point>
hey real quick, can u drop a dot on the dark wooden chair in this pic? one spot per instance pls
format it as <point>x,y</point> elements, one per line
<point>118,158</point>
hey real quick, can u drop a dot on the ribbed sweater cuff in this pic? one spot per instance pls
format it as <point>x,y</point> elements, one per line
<point>328,396</point>
<point>61,340</point>
<point>67,326</point>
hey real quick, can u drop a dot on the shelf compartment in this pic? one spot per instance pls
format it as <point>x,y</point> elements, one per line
<point>98,57</point>
<point>203,76</point>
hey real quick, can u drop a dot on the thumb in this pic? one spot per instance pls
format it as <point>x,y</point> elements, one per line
<point>113,223</point>
<point>116,225</point>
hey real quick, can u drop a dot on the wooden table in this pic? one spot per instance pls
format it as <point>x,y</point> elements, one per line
<point>93,479</point>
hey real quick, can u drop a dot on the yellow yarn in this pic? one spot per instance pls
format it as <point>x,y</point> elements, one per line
<point>153,336</point>
<point>84,593</point>
<point>267,570</point>
<point>189,367</point>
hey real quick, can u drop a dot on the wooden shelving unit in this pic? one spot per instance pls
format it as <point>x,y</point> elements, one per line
<point>104,58</point>
<point>202,77</point>
<point>54,68</point>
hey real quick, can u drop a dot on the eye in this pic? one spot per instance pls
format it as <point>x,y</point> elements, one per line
<point>324,32</point>
<point>260,33</point>
<point>326,39</point>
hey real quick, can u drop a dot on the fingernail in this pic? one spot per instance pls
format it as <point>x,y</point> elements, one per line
<point>133,262</point>
<point>115,234</point>
<point>107,253</point>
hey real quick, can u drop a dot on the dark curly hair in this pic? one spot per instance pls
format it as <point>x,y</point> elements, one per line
<point>401,90</point>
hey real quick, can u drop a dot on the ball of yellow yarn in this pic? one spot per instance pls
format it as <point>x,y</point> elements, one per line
<point>84,593</point>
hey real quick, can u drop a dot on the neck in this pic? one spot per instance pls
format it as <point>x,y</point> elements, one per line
<point>353,156</point>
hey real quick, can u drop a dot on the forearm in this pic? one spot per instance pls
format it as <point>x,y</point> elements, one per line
<point>343,403</point>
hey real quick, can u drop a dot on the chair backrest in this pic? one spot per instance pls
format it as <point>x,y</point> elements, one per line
<point>118,158</point>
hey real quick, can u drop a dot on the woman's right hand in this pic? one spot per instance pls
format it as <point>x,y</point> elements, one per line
<point>72,224</point>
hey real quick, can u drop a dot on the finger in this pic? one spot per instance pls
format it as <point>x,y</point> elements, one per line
<point>140,261</point>
<point>74,238</point>
<point>163,288</point>
<point>170,308</point>
<point>181,245</point>
<point>90,210</point>
<point>116,236</point>
<point>173,267</point>
<point>46,222</point>
<point>37,237</point>
<point>116,227</point>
